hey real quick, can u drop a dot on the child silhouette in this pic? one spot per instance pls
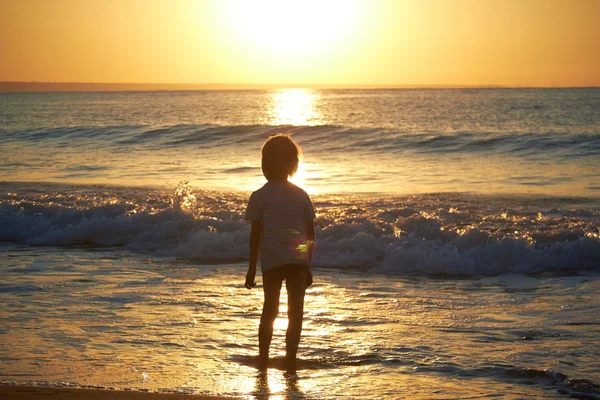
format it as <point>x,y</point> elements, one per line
<point>283,233</point>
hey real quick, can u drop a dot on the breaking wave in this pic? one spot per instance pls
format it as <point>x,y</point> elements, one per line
<point>446,234</point>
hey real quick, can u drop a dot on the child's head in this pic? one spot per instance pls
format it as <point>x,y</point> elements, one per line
<point>280,156</point>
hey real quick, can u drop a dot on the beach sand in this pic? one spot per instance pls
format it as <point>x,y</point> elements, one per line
<point>32,392</point>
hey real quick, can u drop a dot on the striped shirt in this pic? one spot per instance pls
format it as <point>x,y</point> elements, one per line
<point>283,209</point>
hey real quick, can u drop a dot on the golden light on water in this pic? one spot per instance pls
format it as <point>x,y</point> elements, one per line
<point>297,107</point>
<point>304,178</point>
<point>308,177</point>
<point>294,107</point>
<point>281,322</point>
<point>299,178</point>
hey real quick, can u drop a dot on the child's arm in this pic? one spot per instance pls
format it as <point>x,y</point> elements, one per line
<point>310,239</point>
<point>254,249</point>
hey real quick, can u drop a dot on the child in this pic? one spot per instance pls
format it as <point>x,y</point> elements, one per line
<point>283,232</point>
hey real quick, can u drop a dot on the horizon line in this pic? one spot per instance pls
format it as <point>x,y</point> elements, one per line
<point>40,86</point>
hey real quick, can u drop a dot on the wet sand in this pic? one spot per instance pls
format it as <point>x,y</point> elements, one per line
<point>32,392</point>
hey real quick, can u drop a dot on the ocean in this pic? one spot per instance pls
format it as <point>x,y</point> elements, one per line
<point>457,245</point>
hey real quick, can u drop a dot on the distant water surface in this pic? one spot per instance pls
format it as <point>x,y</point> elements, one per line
<point>536,141</point>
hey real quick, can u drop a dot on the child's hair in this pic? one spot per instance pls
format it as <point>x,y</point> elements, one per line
<point>280,157</point>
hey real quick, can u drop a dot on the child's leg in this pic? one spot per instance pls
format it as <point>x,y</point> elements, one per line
<point>296,287</point>
<point>271,288</point>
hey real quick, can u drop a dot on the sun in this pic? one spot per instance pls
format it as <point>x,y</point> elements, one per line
<point>298,27</point>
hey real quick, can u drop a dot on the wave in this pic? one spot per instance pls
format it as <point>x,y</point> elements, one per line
<point>440,234</point>
<point>322,138</point>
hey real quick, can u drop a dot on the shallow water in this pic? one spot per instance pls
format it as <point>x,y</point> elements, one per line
<point>116,319</point>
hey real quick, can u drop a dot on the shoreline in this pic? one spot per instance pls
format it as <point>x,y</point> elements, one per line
<point>17,392</point>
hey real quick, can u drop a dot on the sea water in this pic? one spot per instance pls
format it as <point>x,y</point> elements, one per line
<point>457,251</point>
<point>536,141</point>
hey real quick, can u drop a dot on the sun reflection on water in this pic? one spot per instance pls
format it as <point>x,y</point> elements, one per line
<point>281,323</point>
<point>307,177</point>
<point>294,107</point>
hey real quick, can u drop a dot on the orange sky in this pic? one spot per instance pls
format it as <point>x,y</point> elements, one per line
<point>369,42</point>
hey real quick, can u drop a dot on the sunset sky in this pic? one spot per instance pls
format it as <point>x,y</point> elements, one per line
<point>329,42</point>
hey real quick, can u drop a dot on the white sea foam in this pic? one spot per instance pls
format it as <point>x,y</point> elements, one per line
<point>434,234</point>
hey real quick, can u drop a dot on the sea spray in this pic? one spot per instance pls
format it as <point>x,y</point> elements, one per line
<point>451,234</point>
